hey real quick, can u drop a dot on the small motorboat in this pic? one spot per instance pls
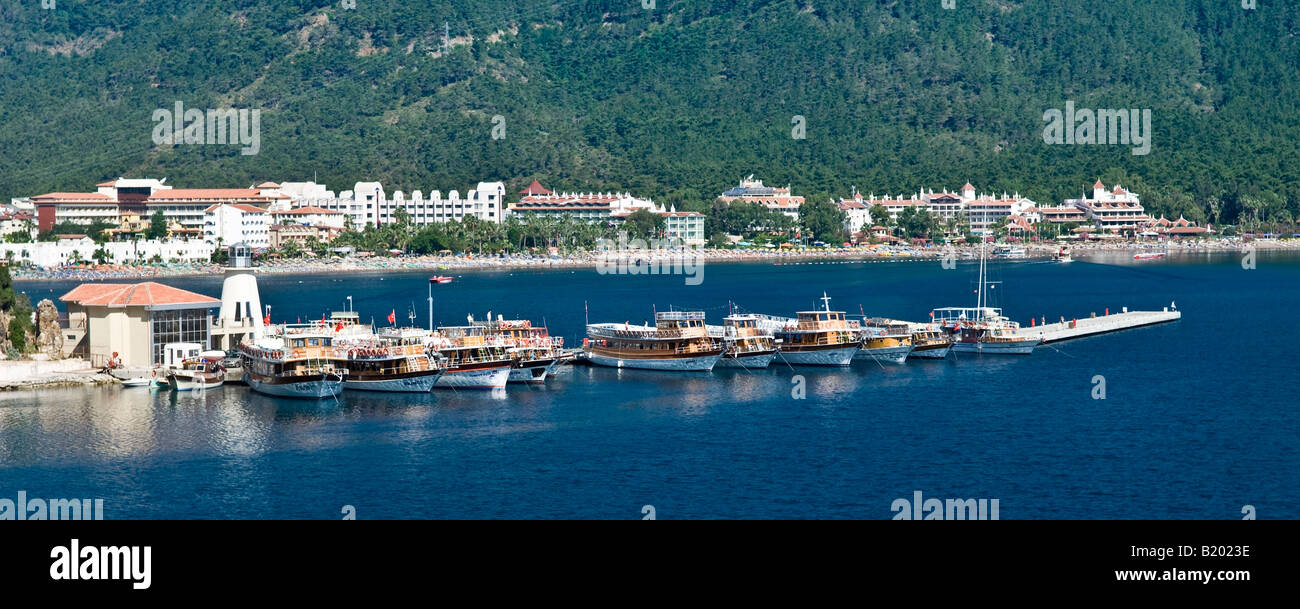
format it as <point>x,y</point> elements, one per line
<point>440,279</point>
<point>1149,256</point>
<point>140,382</point>
<point>1063,255</point>
<point>204,372</point>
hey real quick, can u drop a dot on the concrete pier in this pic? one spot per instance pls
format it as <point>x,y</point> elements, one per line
<point>1101,324</point>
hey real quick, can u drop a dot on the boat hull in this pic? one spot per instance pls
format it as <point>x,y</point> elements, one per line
<point>1012,348</point>
<point>535,371</point>
<point>755,359</point>
<point>894,355</point>
<point>411,382</point>
<point>494,377</point>
<point>930,352</point>
<point>829,356</point>
<point>699,363</point>
<point>316,386</point>
<point>185,382</point>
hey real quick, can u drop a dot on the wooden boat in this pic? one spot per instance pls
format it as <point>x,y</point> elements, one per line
<point>533,352</point>
<point>748,345</point>
<point>885,340</point>
<point>440,279</point>
<point>983,329</point>
<point>395,360</point>
<point>296,361</point>
<point>470,362</point>
<point>1149,256</point>
<point>679,341</point>
<point>814,338</point>
<point>930,342</point>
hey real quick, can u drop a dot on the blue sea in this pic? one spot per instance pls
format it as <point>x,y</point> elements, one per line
<point>1199,417</point>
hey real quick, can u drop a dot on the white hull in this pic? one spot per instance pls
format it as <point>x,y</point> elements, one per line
<point>306,389</point>
<point>893,355</point>
<point>930,353</point>
<point>679,364</point>
<point>414,384</point>
<point>760,360</point>
<point>841,356</point>
<point>1016,348</point>
<point>481,378</point>
<point>535,374</point>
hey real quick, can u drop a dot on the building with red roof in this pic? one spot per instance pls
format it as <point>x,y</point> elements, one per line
<point>134,320</point>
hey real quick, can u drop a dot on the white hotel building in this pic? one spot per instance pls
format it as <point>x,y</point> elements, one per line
<point>226,225</point>
<point>368,205</point>
<point>1114,211</point>
<point>981,210</point>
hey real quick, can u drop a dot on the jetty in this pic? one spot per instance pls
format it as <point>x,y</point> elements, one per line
<point>1100,324</point>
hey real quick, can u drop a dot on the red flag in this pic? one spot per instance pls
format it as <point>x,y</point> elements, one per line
<point>392,317</point>
<point>338,327</point>
<point>266,320</point>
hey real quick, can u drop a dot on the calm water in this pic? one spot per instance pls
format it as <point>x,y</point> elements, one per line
<point>1199,419</point>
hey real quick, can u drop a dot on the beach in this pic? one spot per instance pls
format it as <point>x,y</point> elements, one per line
<point>371,264</point>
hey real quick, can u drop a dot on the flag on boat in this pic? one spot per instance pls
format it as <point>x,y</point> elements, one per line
<point>392,317</point>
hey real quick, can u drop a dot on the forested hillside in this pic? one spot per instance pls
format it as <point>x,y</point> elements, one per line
<point>677,102</point>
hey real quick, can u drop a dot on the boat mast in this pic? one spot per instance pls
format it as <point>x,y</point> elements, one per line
<point>827,300</point>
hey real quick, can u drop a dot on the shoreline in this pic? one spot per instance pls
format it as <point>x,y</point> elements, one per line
<point>304,266</point>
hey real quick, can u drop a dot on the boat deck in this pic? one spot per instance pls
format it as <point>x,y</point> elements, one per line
<point>1091,326</point>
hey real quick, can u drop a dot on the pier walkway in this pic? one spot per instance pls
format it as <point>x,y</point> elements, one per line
<point>1101,324</point>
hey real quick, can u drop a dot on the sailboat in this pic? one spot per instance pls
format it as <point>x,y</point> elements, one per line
<point>983,329</point>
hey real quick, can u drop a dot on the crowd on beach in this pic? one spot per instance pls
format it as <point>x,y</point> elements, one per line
<point>92,272</point>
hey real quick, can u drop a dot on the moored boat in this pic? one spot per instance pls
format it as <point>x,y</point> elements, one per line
<point>679,341</point>
<point>296,361</point>
<point>199,373</point>
<point>885,340</point>
<point>533,352</point>
<point>749,346</point>
<point>929,342</point>
<point>814,338</point>
<point>983,329</point>
<point>1149,256</point>
<point>395,360</point>
<point>471,363</point>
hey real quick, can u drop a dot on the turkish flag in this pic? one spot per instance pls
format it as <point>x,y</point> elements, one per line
<point>392,317</point>
<point>266,320</point>
<point>338,327</point>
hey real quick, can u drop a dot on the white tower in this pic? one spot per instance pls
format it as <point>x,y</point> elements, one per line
<point>241,305</point>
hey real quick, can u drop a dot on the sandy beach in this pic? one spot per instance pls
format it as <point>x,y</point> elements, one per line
<point>586,259</point>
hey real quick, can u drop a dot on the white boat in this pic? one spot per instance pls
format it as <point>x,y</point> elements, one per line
<point>395,360</point>
<point>679,341</point>
<point>296,361</point>
<point>1063,255</point>
<point>1009,252</point>
<point>198,374</point>
<point>814,338</point>
<point>533,352</point>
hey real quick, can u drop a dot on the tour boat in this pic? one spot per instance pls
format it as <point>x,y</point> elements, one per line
<point>983,329</point>
<point>1063,255</point>
<point>471,363</point>
<point>929,342</point>
<point>440,279</point>
<point>395,360</point>
<point>297,361</point>
<point>814,338</point>
<point>678,341</point>
<point>750,346</point>
<point>203,372</point>
<point>1007,251</point>
<point>885,340</point>
<point>533,352</point>
<point>1149,256</point>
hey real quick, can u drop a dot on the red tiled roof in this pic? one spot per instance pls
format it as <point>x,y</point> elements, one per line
<point>268,185</point>
<point>71,236</point>
<point>535,188</point>
<point>147,294</point>
<point>73,196</point>
<point>1099,185</point>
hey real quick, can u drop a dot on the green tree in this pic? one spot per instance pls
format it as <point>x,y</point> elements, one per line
<point>644,224</point>
<point>823,220</point>
<point>157,226</point>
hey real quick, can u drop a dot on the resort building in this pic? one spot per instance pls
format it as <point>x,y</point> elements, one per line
<point>281,234</point>
<point>982,211</point>
<point>857,214</point>
<point>236,223</point>
<point>1115,211</point>
<point>1062,214</point>
<point>133,320</point>
<point>588,206</point>
<point>368,205</point>
<point>773,198</point>
<point>143,197</point>
<point>308,215</point>
<point>688,226</point>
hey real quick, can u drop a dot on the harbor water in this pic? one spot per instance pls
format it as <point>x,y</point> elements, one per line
<point>1197,420</point>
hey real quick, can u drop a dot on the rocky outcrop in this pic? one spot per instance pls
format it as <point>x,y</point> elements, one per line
<point>49,336</point>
